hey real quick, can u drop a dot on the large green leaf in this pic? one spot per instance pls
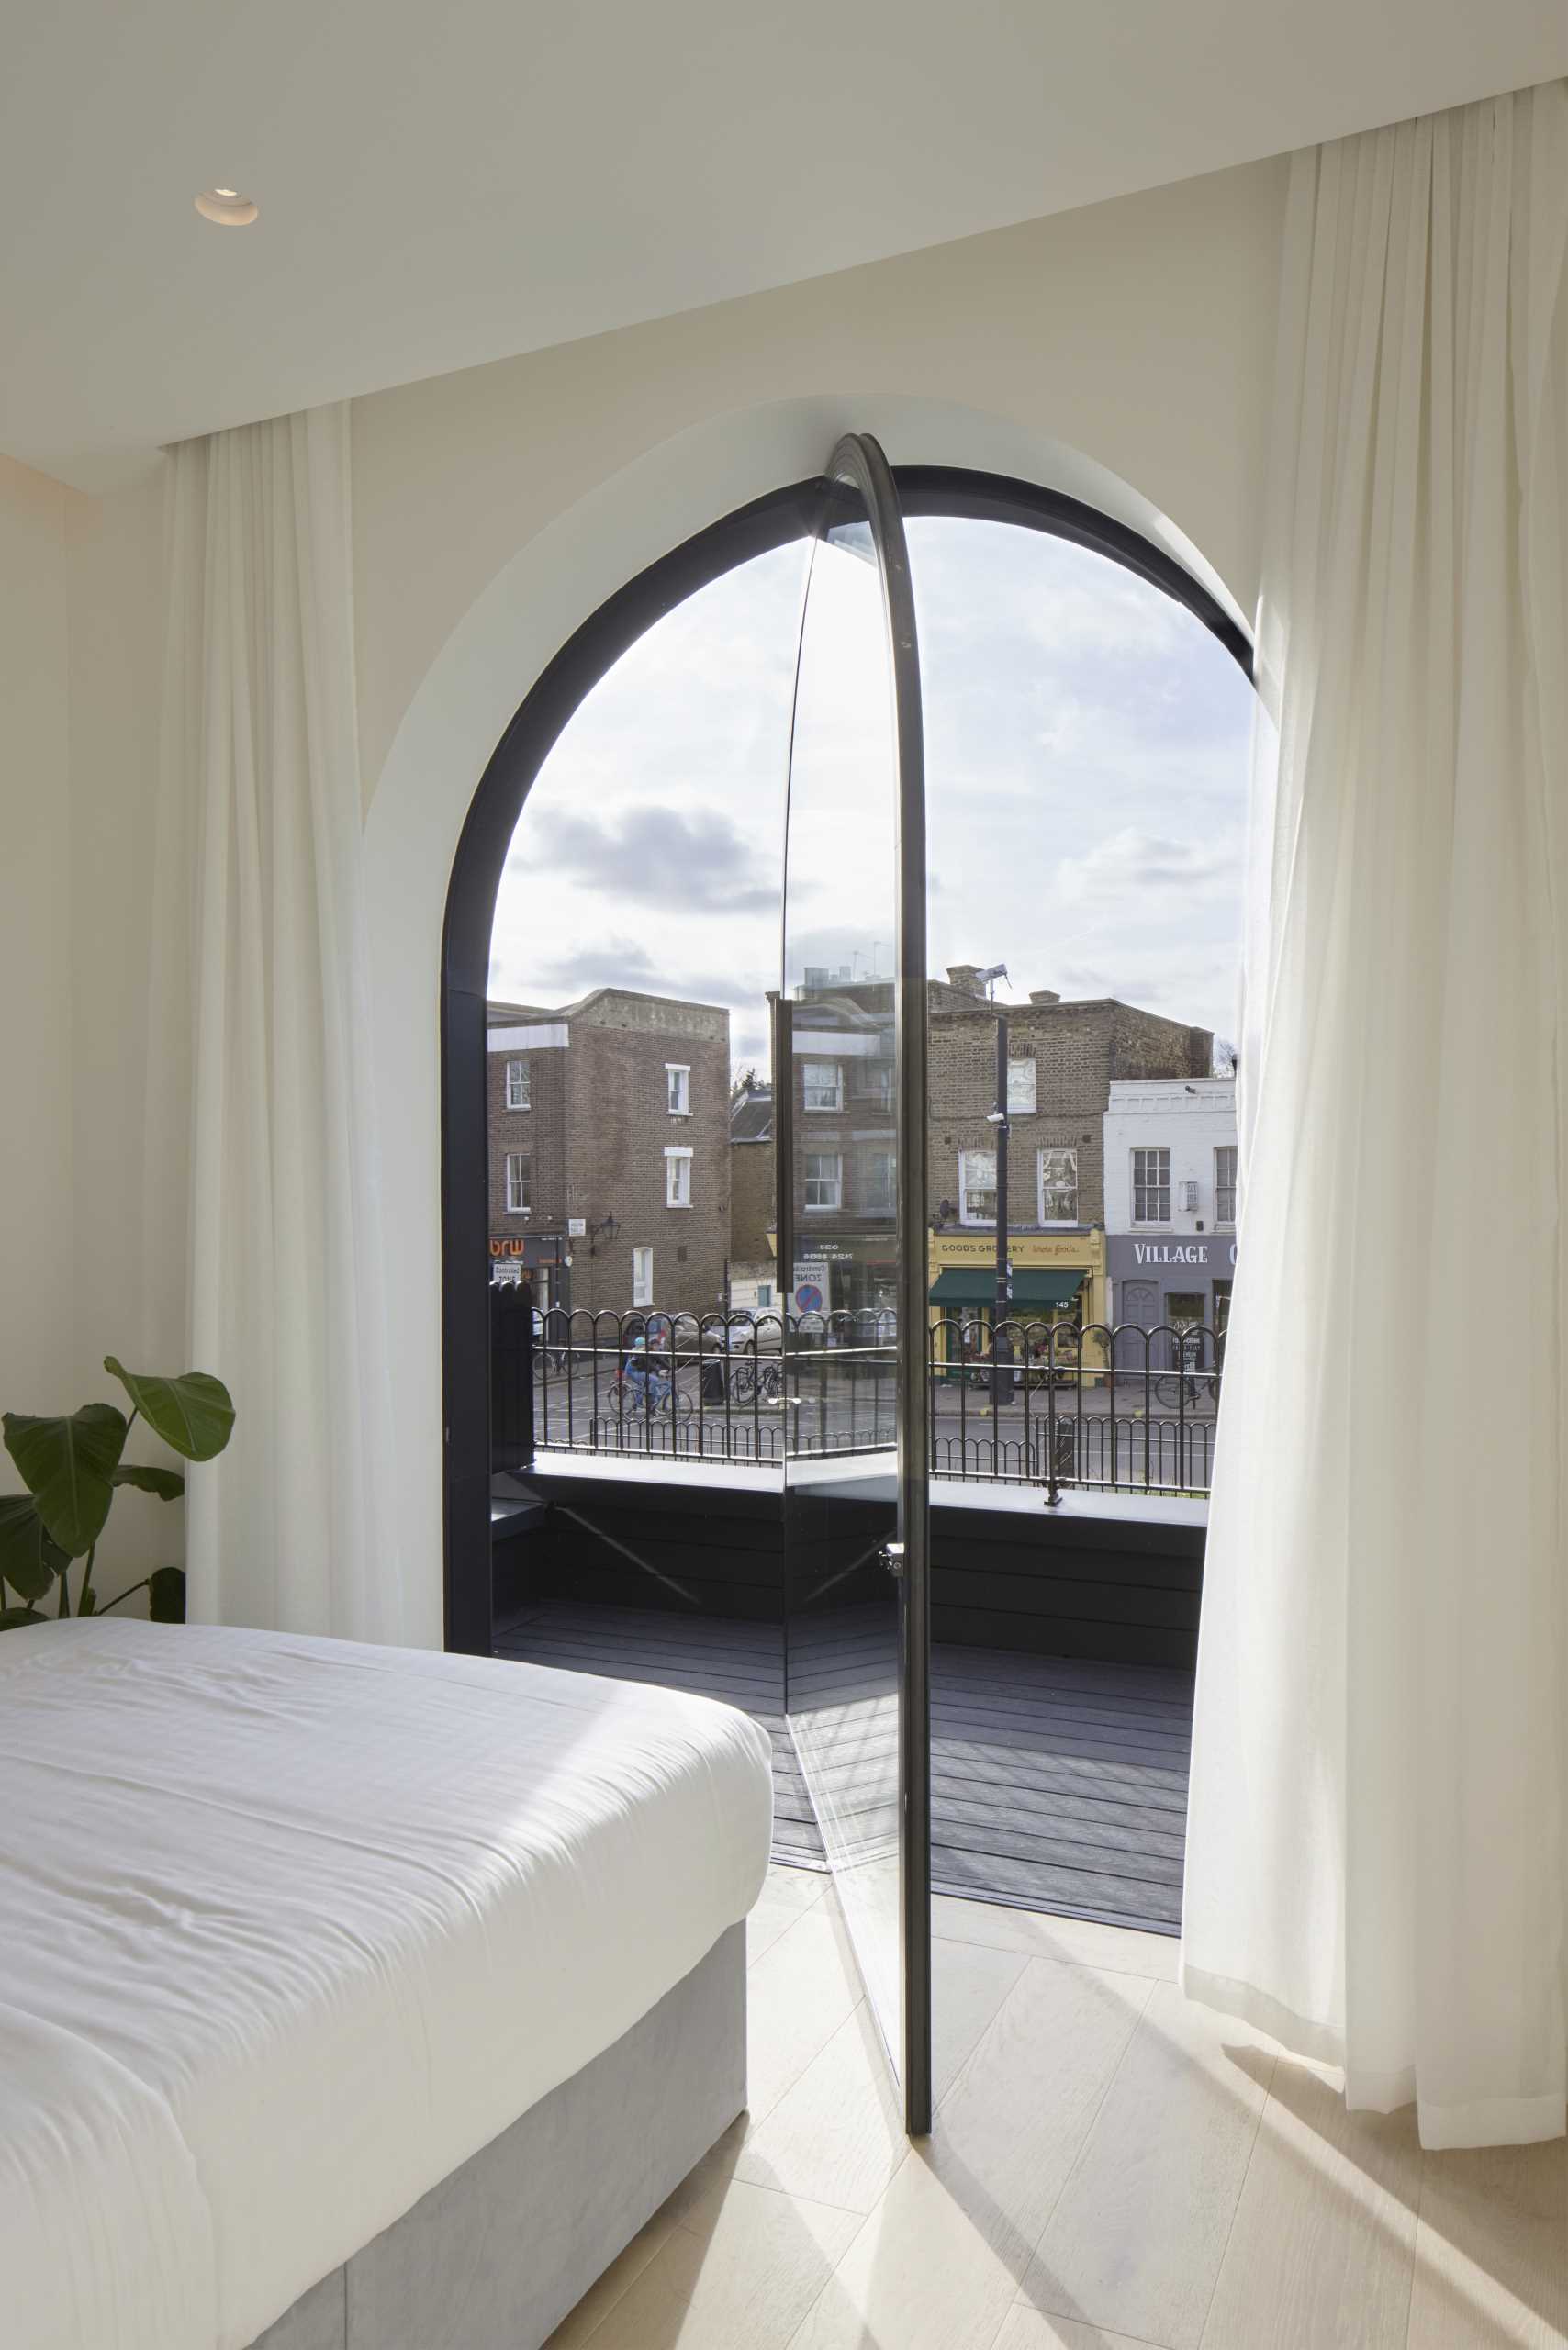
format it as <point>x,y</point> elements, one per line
<point>166,1595</point>
<point>29,1561</point>
<point>11,1616</point>
<point>167,1483</point>
<point>193,1413</point>
<point>66,1466</point>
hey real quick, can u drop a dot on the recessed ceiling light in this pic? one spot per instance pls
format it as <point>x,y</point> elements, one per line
<point>227,207</point>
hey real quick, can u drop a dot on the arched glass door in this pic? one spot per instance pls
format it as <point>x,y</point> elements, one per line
<point>850,1066</point>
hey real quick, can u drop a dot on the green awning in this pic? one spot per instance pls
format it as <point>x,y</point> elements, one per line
<point>1034,1286</point>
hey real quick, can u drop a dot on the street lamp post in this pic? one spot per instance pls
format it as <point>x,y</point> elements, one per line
<point>1000,1349</point>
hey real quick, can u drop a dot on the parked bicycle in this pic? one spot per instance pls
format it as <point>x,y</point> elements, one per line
<point>1190,1386</point>
<point>765,1381</point>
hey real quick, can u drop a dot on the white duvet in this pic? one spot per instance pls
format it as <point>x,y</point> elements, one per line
<point>289,1927</point>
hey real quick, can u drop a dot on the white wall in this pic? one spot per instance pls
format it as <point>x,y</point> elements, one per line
<point>1123,351</point>
<point>1138,335</point>
<point>36,1339</point>
<point>80,629</point>
<point>129,1257</point>
<point>1191,1120</point>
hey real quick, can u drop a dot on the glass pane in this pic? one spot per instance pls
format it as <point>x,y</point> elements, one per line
<point>842,1235</point>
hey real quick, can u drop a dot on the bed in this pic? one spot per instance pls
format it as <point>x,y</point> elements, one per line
<point>351,1997</point>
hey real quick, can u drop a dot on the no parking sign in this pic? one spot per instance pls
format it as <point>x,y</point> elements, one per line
<point>808,1298</point>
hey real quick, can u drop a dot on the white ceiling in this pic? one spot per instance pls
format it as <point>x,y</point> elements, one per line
<point>441,184</point>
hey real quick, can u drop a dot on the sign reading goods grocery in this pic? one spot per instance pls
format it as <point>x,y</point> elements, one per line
<point>1064,1248</point>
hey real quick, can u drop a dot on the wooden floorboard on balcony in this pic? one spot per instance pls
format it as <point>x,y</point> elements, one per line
<point>1057,1783</point>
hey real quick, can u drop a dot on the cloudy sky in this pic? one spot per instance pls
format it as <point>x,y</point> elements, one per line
<point>1086,752</point>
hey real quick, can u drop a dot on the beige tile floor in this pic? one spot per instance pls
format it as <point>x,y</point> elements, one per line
<point>1111,2168</point>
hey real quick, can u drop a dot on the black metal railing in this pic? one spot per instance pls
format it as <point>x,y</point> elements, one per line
<point>1119,1408</point>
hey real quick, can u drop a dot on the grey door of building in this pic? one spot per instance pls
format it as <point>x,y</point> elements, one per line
<point>1137,1309</point>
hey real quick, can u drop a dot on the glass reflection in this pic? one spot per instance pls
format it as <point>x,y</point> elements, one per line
<point>843,1235</point>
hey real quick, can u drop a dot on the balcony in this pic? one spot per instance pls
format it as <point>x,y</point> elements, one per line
<point>1092,1409</point>
<point>1069,1512</point>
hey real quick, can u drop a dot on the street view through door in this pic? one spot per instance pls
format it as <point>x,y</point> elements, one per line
<point>866,1304</point>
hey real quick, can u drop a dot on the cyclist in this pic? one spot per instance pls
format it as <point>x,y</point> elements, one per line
<point>648,1380</point>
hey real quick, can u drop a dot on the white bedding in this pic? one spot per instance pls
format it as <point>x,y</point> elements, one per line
<point>290,1928</point>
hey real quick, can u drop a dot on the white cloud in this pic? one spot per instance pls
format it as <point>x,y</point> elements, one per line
<point>1087,754</point>
<point>1121,870</point>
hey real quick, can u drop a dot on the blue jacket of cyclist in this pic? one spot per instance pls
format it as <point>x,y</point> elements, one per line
<point>643,1374</point>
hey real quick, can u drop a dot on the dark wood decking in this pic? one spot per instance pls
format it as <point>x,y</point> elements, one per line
<point>1058,1783</point>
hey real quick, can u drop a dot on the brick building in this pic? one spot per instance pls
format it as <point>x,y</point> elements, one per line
<point>609,1158</point>
<point>1063,1059</point>
<point>845,1163</point>
<point>752,1274</point>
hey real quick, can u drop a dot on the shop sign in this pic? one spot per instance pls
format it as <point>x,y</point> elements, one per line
<point>1072,1251</point>
<point>1183,1252</point>
<point>531,1247</point>
<point>810,1287</point>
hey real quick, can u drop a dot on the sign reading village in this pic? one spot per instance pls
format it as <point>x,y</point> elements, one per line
<point>1184,1252</point>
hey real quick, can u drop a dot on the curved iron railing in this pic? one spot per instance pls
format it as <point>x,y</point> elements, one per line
<point>1113,1407</point>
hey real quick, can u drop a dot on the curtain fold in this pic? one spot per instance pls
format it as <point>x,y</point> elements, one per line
<point>1377,1871</point>
<point>261,990</point>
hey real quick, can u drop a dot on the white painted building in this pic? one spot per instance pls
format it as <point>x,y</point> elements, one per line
<point>1170,1199</point>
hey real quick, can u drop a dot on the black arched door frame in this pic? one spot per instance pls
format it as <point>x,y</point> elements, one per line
<point>774,521</point>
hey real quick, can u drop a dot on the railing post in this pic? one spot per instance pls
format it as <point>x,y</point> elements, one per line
<point>512,1376</point>
<point>1053,1490</point>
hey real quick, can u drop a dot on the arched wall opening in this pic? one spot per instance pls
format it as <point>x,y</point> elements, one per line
<point>543,628</point>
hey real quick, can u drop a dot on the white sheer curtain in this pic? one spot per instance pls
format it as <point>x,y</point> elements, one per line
<point>1377,1871</point>
<point>262,963</point>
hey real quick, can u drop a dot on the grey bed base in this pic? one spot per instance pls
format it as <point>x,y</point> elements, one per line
<point>494,2256</point>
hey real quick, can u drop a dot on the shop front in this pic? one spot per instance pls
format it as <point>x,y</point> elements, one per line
<point>1180,1282</point>
<point>854,1274</point>
<point>1058,1281</point>
<point>542,1258</point>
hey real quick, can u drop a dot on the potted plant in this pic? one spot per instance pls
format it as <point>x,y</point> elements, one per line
<point>72,1469</point>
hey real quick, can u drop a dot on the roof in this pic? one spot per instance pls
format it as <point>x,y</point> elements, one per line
<point>751,1117</point>
<point>506,1015</point>
<point>500,1015</point>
